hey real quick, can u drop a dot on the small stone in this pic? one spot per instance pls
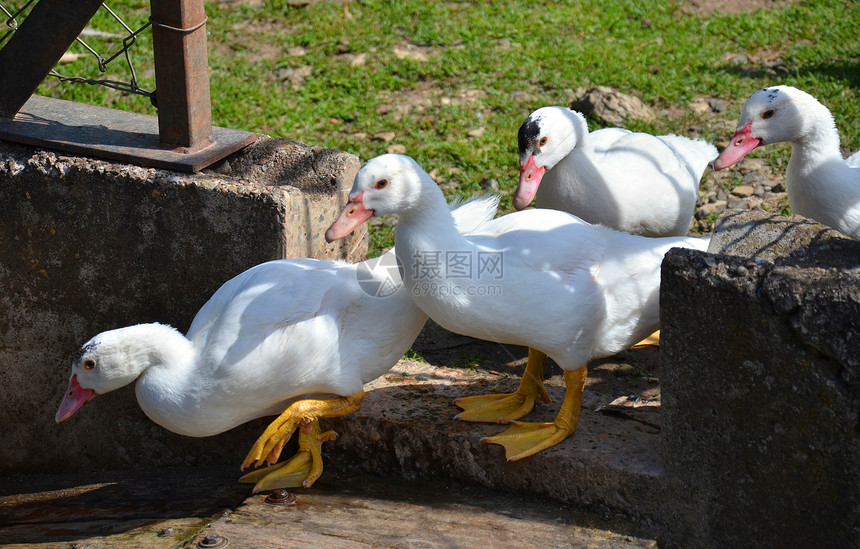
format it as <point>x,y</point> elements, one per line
<point>753,178</point>
<point>750,165</point>
<point>710,209</point>
<point>412,52</point>
<point>296,76</point>
<point>396,148</point>
<point>476,132</point>
<point>743,191</point>
<point>778,188</point>
<point>699,104</point>
<point>718,105</point>
<point>737,59</point>
<point>223,168</point>
<point>297,51</point>
<point>385,137</point>
<point>611,105</point>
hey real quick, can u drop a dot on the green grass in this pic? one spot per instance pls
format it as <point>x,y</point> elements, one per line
<point>414,356</point>
<point>468,362</point>
<point>489,64</point>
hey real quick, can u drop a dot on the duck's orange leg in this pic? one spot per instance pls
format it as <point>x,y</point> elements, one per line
<point>303,469</point>
<point>304,414</point>
<point>504,408</point>
<point>523,439</point>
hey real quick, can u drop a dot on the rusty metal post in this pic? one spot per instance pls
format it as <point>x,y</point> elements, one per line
<point>37,45</point>
<point>181,73</point>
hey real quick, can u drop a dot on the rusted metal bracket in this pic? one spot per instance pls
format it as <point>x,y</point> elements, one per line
<point>182,138</point>
<point>181,72</point>
<point>123,136</point>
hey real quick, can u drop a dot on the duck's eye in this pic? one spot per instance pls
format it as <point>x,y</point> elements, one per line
<point>382,183</point>
<point>542,141</point>
<point>89,364</point>
<point>767,114</point>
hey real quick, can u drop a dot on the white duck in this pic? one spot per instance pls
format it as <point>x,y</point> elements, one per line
<point>541,278</point>
<point>300,335</point>
<point>820,183</point>
<point>634,182</point>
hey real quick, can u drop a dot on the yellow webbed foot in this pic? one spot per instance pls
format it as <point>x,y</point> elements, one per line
<point>505,408</point>
<point>302,470</point>
<point>652,340</point>
<point>267,448</point>
<point>522,439</point>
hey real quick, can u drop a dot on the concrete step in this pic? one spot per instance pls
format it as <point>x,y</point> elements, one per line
<point>406,426</point>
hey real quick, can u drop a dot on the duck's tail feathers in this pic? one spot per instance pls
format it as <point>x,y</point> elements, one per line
<point>474,212</point>
<point>696,154</point>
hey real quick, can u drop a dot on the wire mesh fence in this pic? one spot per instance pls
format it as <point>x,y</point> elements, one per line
<point>128,38</point>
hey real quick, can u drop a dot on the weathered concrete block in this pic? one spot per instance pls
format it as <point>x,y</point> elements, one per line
<point>761,391</point>
<point>763,236</point>
<point>88,245</point>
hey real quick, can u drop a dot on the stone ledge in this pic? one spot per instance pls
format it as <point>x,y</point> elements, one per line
<point>406,427</point>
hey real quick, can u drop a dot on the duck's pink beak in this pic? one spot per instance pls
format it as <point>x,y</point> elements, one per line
<point>530,176</point>
<point>351,217</point>
<point>75,397</point>
<point>739,146</point>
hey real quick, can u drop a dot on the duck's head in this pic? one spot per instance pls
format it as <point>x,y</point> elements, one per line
<point>770,115</point>
<point>547,136</point>
<point>387,184</point>
<point>101,365</point>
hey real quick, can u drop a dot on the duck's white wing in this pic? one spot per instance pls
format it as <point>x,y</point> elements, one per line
<point>604,138</point>
<point>542,239</point>
<point>254,316</point>
<point>854,160</point>
<point>287,273</point>
<point>641,156</point>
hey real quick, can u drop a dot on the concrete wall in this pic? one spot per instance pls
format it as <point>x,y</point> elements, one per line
<point>87,245</point>
<point>761,388</point>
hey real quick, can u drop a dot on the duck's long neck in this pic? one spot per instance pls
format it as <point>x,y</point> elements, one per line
<point>168,359</point>
<point>427,226</point>
<point>576,178</point>
<point>818,142</point>
<point>580,132</point>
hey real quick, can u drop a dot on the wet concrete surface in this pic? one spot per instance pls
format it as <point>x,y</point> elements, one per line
<point>181,507</point>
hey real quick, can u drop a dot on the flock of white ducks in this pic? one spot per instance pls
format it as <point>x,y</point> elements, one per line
<point>576,279</point>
